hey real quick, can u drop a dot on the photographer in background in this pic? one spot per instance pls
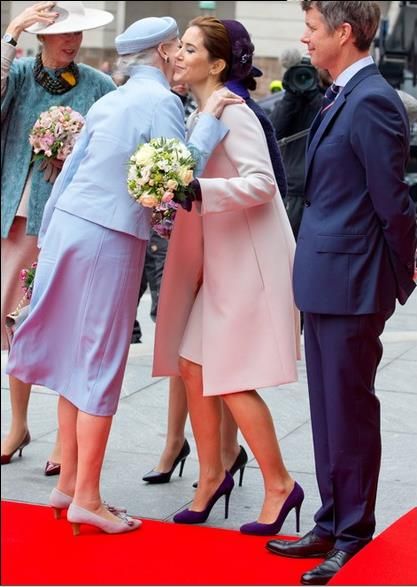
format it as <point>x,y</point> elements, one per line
<point>292,114</point>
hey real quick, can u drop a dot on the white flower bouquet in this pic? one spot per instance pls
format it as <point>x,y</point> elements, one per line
<point>53,137</point>
<point>158,177</point>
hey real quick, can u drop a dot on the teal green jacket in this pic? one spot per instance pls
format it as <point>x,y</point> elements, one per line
<point>21,105</point>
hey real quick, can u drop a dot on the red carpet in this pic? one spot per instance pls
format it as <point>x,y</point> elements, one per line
<point>37,550</point>
<point>390,559</point>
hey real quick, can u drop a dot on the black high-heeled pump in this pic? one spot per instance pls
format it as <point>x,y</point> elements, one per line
<point>158,477</point>
<point>239,465</point>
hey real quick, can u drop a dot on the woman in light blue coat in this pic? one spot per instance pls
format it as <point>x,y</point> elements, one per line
<point>93,241</point>
<point>30,86</point>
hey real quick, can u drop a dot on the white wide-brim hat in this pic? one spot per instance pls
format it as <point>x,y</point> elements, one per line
<point>73,17</point>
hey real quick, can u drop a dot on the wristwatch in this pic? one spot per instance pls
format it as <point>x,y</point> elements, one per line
<point>9,39</point>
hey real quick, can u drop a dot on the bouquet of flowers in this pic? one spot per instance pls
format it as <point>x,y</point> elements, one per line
<point>159,175</point>
<point>27,277</point>
<point>53,137</point>
<point>18,316</point>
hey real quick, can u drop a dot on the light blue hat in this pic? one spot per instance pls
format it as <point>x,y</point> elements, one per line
<point>146,33</point>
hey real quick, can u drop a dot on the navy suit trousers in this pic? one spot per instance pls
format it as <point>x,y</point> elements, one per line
<point>342,356</point>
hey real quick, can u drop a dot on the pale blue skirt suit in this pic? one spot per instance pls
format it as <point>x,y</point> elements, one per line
<point>76,338</point>
<point>93,242</point>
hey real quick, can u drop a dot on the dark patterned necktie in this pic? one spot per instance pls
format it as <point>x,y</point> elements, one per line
<point>329,98</point>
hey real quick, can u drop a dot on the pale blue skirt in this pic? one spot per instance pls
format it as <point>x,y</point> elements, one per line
<point>76,338</point>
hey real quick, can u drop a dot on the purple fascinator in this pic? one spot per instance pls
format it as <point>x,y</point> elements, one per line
<point>256,72</point>
<point>242,51</point>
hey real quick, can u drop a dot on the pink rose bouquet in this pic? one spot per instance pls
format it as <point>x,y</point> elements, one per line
<point>27,277</point>
<point>53,137</point>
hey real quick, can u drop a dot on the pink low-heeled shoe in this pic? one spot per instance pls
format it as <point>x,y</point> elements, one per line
<point>58,501</point>
<point>78,515</point>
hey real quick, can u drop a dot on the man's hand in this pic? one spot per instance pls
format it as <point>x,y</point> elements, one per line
<point>219,99</point>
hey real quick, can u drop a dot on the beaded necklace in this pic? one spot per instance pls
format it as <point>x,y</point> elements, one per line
<point>67,77</point>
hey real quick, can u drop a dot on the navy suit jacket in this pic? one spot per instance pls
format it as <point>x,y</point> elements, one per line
<point>356,245</point>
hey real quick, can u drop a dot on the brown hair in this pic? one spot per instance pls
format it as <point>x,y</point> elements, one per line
<point>363,17</point>
<point>216,41</point>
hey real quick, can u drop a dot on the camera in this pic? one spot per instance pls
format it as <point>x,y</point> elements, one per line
<point>301,78</point>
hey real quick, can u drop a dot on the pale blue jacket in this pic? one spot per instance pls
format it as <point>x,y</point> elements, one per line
<point>93,182</point>
<point>21,105</point>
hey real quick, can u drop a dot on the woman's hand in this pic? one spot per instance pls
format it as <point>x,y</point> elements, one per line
<point>51,169</point>
<point>42,12</point>
<point>219,99</point>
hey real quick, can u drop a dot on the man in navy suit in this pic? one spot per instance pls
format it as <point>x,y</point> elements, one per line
<point>354,258</point>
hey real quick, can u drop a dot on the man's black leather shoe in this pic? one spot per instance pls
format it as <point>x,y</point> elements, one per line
<point>309,546</point>
<point>322,574</point>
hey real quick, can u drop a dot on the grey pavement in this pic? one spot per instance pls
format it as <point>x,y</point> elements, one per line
<point>138,434</point>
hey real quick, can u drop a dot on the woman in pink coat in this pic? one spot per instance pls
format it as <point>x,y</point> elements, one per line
<point>227,322</point>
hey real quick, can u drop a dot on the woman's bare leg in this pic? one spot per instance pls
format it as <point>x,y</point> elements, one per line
<point>55,456</point>
<point>92,436</point>
<point>205,415</point>
<point>19,401</point>
<point>229,438</point>
<point>67,422</point>
<point>177,416</point>
<point>254,420</point>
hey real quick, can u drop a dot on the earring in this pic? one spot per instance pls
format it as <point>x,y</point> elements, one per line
<point>167,59</point>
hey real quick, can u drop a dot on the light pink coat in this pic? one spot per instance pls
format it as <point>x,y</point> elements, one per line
<point>241,241</point>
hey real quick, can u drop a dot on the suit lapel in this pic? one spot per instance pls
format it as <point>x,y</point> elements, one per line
<point>318,128</point>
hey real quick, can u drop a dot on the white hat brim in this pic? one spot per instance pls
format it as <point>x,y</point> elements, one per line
<point>72,23</point>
